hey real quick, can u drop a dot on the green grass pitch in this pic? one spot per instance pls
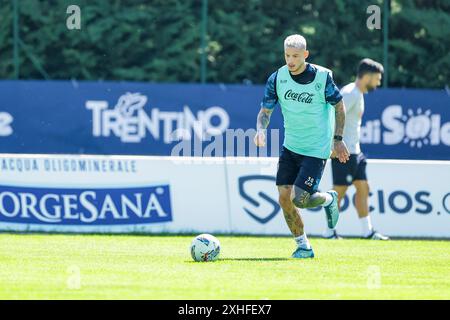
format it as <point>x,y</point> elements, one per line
<point>160,267</point>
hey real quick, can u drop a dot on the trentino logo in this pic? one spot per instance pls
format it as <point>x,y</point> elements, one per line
<point>64,206</point>
<point>128,120</point>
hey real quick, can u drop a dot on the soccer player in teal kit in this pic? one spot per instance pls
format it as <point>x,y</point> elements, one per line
<point>314,118</point>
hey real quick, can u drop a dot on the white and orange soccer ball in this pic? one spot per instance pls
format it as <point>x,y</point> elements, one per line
<point>205,247</point>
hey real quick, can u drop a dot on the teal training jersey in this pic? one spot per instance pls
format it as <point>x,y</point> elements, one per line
<point>308,117</point>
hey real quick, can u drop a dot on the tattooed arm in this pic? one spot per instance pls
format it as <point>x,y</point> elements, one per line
<point>268,103</point>
<point>263,119</point>
<point>261,124</point>
<point>339,148</point>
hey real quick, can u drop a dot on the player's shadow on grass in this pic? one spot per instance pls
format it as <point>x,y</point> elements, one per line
<point>247,259</point>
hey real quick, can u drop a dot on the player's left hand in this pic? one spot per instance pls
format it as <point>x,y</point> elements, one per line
<point>340,151</point>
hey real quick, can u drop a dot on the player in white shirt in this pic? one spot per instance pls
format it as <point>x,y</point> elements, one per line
<point>354,171</point>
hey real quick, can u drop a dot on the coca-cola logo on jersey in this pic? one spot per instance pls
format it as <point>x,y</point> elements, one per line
<point>304,97</point>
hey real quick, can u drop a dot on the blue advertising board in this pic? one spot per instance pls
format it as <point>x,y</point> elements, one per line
<point>76,206</point>
<point>130,118</point>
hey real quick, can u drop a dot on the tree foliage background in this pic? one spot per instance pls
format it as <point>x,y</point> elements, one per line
<point>159,40</point>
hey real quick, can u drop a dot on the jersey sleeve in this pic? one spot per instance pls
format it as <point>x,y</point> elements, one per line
<point>270,98</point>
<point>332,94</point>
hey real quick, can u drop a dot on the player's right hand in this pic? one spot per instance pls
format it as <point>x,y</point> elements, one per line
<point>341,152</point>
<point>260,139</point>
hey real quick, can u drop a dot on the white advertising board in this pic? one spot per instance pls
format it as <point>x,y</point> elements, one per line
<point>112,194</point>
<point>407,199</point>
<point>127,194</point>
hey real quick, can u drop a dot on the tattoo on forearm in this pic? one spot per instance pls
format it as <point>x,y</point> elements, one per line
<point>263,119</point>
<point>340,118</point>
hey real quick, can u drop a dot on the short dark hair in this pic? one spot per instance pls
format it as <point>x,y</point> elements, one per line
<point>369,66</point>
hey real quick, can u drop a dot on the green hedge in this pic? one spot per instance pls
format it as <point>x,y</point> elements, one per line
<point>159,40</point>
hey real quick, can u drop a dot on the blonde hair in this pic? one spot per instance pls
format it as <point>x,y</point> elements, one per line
<point>295,41</point>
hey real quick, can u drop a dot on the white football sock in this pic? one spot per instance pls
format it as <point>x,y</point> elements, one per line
<point>366,226</point>
<point>328,199</point>
<point>302,241</point>
<point>328,232</point>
